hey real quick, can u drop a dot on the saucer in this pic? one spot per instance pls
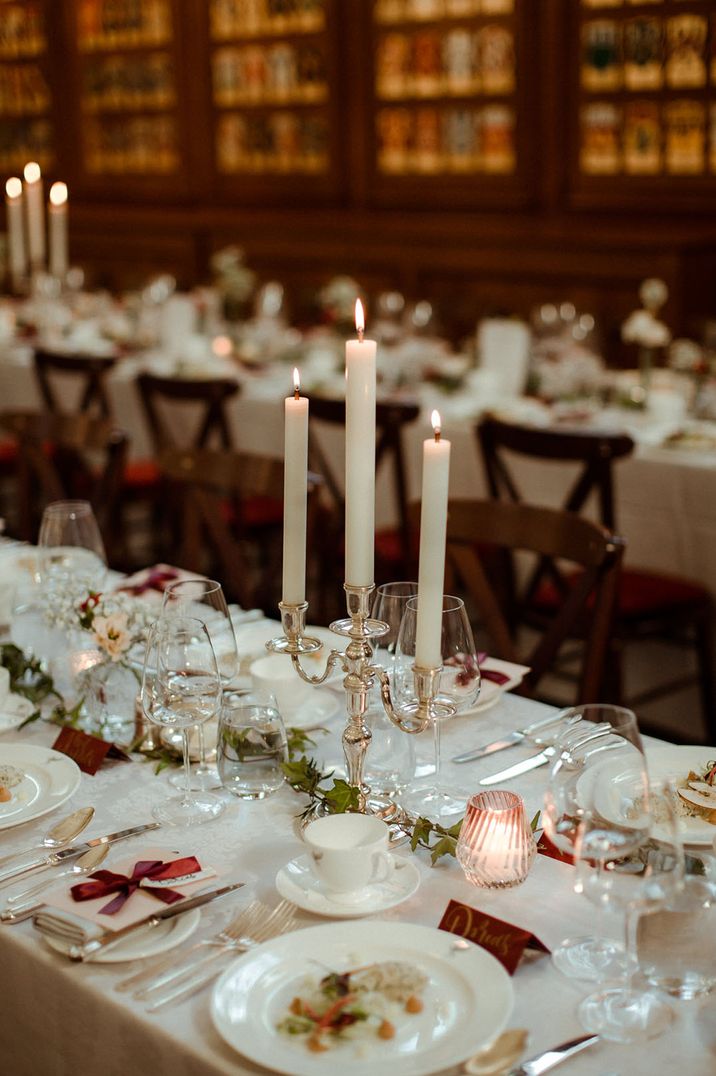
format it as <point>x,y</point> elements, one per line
<point>297,882</point>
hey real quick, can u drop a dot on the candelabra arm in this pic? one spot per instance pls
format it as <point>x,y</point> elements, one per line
<point>333,659</point>
<point>399,718</point>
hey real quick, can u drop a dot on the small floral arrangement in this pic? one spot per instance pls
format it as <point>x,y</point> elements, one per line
<point>337,300</point>
<point>116,622</point>
<point>233,279</point>
<point>643,327</point>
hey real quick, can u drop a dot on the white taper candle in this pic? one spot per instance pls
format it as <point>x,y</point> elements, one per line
<point>35,214</point>
<point>57,216</point>
<point>360,456</point>
<point>16,254</point>
<point>295,485</point>
<point>433,527</point>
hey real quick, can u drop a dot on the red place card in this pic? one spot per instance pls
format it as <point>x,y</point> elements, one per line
<point>506,942</point>
<point>546,848</point>
<point>89,752</point>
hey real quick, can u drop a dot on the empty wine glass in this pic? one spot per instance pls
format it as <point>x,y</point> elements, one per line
<point>181,687</point>
<point>71,550</point>
<point>598,759</point>
<point>644,884</point>
<point>459,687</point>
<point>205,600</point>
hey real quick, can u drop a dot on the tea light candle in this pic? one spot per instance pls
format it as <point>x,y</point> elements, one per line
<point>295,484</point>
<point>433,527</point>
<point>360,456</point>
<point>59,258</point>
<point>35,214</point>
<point>496,847</point>
<point>16,255</point>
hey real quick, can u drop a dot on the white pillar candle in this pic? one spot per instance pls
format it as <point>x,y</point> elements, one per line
<point>57,213</point>
<point>433,527</point>
<point>360,456</point>
<point>295,483</point>
<point>35,215</point>
<point>16,256</point>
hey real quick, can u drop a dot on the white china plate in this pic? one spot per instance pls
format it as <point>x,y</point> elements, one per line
<point>315,711</point>
<point>297,882</point>
<point>468,999</point>
<point>663,762</point>
<point>147,942</point>
<point>50,779</point>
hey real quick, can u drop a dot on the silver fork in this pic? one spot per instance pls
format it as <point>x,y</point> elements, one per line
<point>185,981</point>
<point>246,920</point>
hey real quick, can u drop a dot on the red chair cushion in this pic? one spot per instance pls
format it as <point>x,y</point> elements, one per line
<point>641,594</point>
<point>256,511</point>
<point>8,452</point>
<point>139,474</point>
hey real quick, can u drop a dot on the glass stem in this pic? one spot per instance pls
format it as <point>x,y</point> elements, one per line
<point>436,749</point>
<point>631,924</point>
<point>600,917</point>
<point>202,747</point>
<point>187,766</point>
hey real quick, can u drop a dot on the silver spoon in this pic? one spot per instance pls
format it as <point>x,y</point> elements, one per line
<point>61,833</point>
<point>84,865</point>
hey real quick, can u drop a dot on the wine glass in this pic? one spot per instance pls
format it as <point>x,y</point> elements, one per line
<point>390,763</point>
<point>598,758</point>
<point>181,687</point>
<point>71,550</point>
<point>205,600</point>
<point>645,884</point>
<point>459,687</point>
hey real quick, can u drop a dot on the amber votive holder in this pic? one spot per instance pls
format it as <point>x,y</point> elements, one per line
<point>496,847</point>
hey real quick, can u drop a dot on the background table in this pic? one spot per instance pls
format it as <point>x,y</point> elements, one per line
<point>64,1019</point>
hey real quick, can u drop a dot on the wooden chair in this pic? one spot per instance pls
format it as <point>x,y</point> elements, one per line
<point>649,604</point>
<point>546,532</point>
<point>68,457</point>
<point>231,519</point>
<point>394,548</point>
<point>211,393</point>
<point>89,370</point>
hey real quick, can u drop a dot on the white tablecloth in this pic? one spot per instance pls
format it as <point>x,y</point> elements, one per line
<point>65,1019</point>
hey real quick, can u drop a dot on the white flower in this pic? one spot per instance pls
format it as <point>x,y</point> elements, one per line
<point>685,355</point>
<point>653,293</point>
<point>111,634</point>
<point>641,327</point>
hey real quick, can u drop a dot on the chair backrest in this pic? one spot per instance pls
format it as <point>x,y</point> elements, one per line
<point>67,456</point>
<point>545,532</point>
<point>594,450</point>
<point>212,393</point>
<point>216,487</point>
<point>390,421</point>
<point>89,370</point>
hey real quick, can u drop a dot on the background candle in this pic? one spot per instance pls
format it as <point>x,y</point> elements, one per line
<point>58,230</point>
<point>360,456</point>
<point>16,256</point>
<point>35,215</point>
<point>433,525</point>
<point>295,481</point>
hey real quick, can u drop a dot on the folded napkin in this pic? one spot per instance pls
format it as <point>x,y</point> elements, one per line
<point>81,913</point>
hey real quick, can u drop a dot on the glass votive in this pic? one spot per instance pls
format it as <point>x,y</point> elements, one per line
<point>496,847</point>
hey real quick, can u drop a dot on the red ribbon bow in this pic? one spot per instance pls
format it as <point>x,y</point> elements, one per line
<point>124,885</point>
<point>156,579</point>
<point>490,674</point>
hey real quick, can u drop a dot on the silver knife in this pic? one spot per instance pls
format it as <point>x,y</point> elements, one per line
<point>540,1063</point>
<point>525,766</point>
<point>84,952</point>
<point>53,858</point>
<point>509,740</point>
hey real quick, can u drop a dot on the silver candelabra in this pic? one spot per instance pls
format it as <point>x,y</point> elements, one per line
<point>361,674</point>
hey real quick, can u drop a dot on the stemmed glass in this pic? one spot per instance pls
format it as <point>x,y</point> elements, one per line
<point>205,600</point>
<point>71,550</point>
<point>181,687</point>
<point>598,758</point>
<point>459,685</point>
<point>648,882</point>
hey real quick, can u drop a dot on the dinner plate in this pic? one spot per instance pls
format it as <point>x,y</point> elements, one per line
<point>315,711</point>
<point>491,692</point>
<point>50,779</point>
<point>467,1002</point>
<point>298,883</point>
<point>612,784</point>
<point>150,941</point>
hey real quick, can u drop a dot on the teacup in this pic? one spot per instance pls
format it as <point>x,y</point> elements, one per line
<point>349,853</point>
<point>275,675</point>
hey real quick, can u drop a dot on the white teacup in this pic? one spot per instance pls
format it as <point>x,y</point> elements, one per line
<point>349,852</point>
<point>275,675</point>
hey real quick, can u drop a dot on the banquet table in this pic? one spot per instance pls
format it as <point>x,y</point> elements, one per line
<point>665,496</point>
<point>61,1018</point>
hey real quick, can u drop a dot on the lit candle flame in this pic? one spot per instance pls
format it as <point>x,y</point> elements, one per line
<point>296,383</point>
<point>58,193</point>
<point>360,319</point>
<point>222,346</point>
<point>436,424</point>
<point>32,172</point>
<point>13,187</point>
